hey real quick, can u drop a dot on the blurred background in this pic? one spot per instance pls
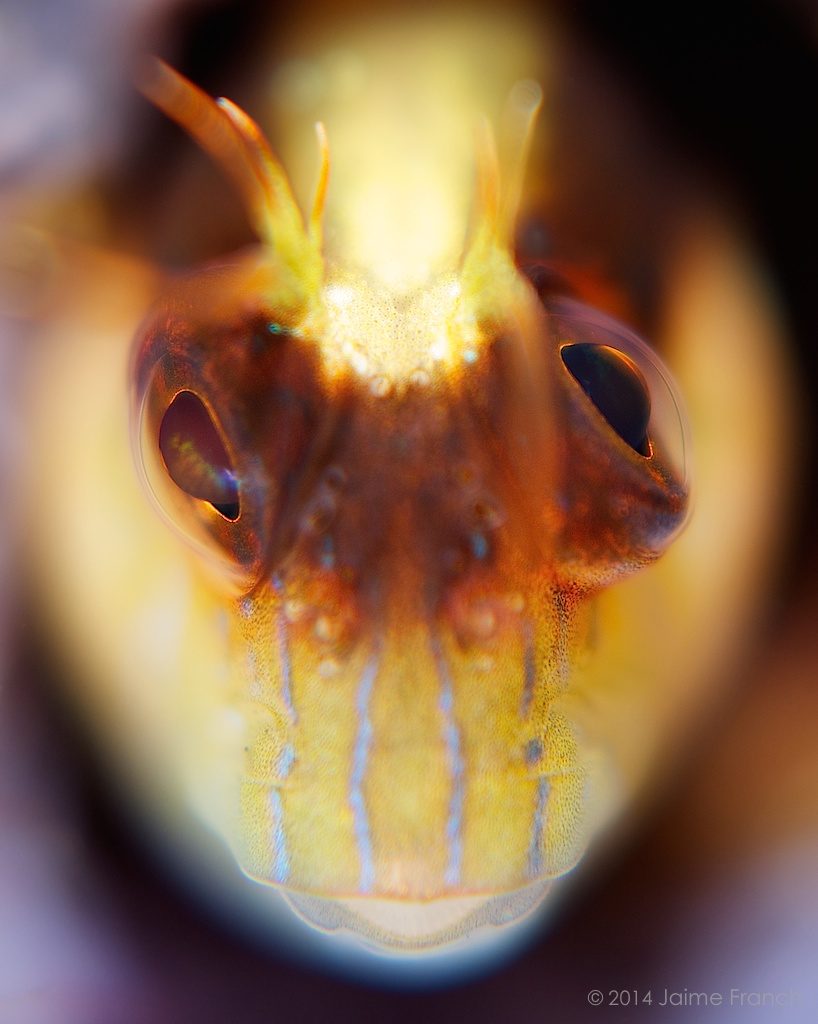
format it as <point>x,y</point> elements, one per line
<point>718,887</point>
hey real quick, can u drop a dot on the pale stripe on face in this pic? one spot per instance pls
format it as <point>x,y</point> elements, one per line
<point>363,836</point>
<point>451,736</point>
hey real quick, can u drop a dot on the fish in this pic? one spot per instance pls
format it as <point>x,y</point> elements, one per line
<point>398,631</point>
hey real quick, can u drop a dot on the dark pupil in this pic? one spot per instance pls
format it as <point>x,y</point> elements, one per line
<point>195,456</point>
<point>616,387</point>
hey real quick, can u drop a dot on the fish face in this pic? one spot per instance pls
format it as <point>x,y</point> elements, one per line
<point>408,562</point>
<point>404,501</point>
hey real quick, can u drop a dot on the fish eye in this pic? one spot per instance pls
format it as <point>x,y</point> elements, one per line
<point>225,409</point>
<point>617,388</point>
<point>195,456</point>
<point>626,381</point>
<point>193,474</point>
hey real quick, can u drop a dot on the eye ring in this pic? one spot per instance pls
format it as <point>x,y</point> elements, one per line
<point>228,547</point>
<point>572,322</point>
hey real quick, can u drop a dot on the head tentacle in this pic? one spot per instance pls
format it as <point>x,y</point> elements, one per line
<point>519,119</point>
<point>237,144</point>
<point>317,213</point>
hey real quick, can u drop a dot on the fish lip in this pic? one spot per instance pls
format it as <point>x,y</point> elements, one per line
<point>425,927</point>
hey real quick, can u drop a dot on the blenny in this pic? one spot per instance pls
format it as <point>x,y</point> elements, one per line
<point>386,643</point>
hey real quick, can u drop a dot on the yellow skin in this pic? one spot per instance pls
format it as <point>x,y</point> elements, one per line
<point>398,673</point>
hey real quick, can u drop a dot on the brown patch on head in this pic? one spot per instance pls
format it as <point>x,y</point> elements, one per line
<point>432,494</point>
